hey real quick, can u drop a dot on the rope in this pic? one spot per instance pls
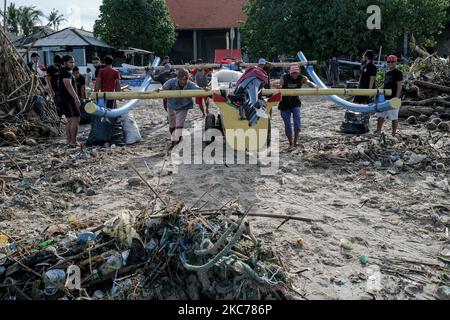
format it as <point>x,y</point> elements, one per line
<point>219,242</point>
<point>219,256</point>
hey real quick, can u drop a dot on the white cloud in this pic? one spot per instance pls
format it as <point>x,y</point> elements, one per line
<point>78,13</point>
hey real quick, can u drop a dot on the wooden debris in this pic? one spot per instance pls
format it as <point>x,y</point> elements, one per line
<point>25,108</point>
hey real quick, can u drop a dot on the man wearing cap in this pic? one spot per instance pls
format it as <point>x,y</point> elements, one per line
<point>368,75</point>
<point>393,80</point>
<point>290,107</point>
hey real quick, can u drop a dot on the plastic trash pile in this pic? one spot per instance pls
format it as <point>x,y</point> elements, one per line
<point>176,254</point>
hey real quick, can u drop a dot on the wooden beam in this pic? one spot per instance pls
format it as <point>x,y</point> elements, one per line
<point>218,66</point>
<point>174,94</point>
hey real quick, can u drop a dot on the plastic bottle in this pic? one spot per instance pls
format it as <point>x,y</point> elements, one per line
<point>114,263</point>
<point>84,237</point>
<point>54,280</point>
<point>363,260</point>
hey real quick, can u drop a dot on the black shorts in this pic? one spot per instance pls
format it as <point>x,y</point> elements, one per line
<point>69,109</point>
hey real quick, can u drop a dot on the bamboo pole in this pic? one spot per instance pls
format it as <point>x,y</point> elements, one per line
<point>218,66</point>
<point>5,18</point>
<point>326,92</point>
<point>175,94</point>
<point>180,66</point>
<point>281,64</point>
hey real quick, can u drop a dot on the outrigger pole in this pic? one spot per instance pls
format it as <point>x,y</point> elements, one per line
<point>379,106</point>
<point>219,66</point>
<point>94,109</point>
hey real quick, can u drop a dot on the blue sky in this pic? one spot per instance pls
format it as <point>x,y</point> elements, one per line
<point>79,13</point>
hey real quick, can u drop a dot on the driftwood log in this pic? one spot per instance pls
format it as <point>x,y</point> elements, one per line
<point>26,110</point>
<point>428,102</point>
<point>432,86</point>
<point>407,111</point>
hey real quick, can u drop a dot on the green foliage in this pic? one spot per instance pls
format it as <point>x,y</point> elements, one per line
<point>55,19</point>
<point>379,80</point>
<point>29,18</point>
<point>404,68</point>
<point>144,24</point>
<point>22,20</point>
<point>322,27</point>
<point>13,18</point>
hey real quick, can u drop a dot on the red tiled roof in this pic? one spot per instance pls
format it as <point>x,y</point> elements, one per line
<point>206,14</point>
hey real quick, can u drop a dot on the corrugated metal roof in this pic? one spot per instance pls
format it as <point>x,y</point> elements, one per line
<point>91,39</point>
<point>27,40</point>
<point>71,37</point>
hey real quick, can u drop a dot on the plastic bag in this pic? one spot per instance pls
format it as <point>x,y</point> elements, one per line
<point>105,131</point>
<point>130,129</point>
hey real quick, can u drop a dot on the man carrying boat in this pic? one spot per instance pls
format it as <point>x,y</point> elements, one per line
<point>163,77</point>
<point>179,107</point>
<point>290,107</point>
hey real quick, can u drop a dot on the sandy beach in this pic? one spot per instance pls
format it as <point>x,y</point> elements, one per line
<point>386,212</point>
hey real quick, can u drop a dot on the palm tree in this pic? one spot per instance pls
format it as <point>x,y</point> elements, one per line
<point>55,19</point>
<point>12,18</point>
<point>29,17</point>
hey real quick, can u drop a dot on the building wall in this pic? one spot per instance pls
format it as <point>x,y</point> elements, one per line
<point>182,50</point>
<point>48,53</point>
<point>207,42</point>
